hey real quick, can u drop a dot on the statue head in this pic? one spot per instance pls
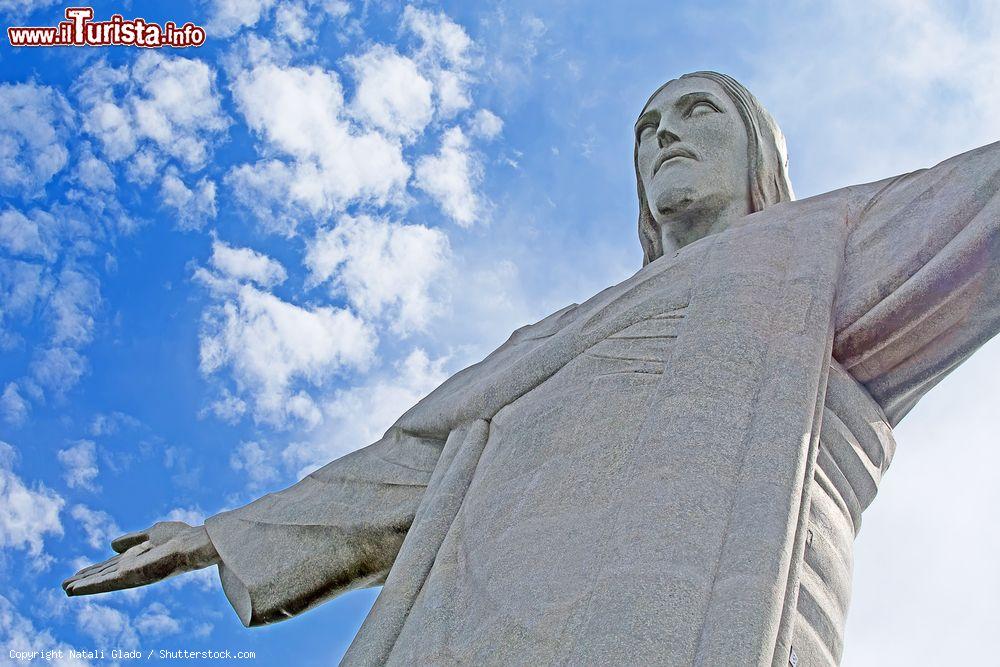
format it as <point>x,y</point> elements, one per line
<point>705,150</point>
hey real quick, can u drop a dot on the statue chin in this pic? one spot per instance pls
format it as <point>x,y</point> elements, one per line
<point>685,215</point>
<point>670,203</point>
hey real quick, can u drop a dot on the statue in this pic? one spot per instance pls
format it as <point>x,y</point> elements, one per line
<point>672,472</point>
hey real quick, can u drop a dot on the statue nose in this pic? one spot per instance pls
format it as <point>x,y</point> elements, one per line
<point>665,137</point>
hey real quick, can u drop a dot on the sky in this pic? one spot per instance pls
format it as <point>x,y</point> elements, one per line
<point>224,266</point>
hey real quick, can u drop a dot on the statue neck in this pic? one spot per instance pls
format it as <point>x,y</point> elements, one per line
<point>687,226</point>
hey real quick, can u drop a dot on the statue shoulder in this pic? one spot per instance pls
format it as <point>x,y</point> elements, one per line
<point>429,416</point>
<point>545,327</point>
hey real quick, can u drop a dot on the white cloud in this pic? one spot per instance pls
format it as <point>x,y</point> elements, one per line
<point>193,516</point>
<point>178,106</point>
<point>292,19</point>
<point>383,265</point>
<point>230,16</point>
<point>57,369</point>
<point>13,407</point>
<point>486,124</point>
<point>99,527</point>
<point>80,463</point>
<point>203,630</point>
<point>111,423</point>
<point>296,21</point>
<point>359,416</point>
<point>451,177</point>
<point>164,101</point>
<point>297,111</point>
<point>445,51</point>
<point>256,462</point>
<point>273,348</point>
<point>303,408</point>
<point>106,625</point>
<point>512,44</point>
<point>31,237</point>
<point>73,306</point>
<point>489,298</point>
<point>452,92</point>
<point>18,633</point>
<point>441,38</point>
<point>112,125</point>
<point>265,189</point>
<point>68,312</point>
<point>143,167</point>
<point>228,408</point>
<point>194,206</point>
<point>205,579</point>
<point>321,155</point>
<point>292,22</point>
<point>391,94</point>
<point>22,285</point>
<point>245,264</point>
<point>155,621</point>
<point>18,8</point>
<point>271,345</point>
<point>334,8</point>
<point>65,303</point>
<point>94,174</point>
<point>27,515</point>
<point>35,124</point>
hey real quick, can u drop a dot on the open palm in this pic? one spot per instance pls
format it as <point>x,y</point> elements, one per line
<point>166,549</point>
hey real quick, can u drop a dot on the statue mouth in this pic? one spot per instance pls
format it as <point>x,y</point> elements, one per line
<point>670,154</point>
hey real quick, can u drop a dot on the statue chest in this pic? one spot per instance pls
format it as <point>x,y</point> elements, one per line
<point>547,493</point>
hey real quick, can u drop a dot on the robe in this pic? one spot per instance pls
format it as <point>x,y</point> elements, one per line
<point>672,472</point>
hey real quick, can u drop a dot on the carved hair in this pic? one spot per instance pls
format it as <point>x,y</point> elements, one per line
<point>767,181</point>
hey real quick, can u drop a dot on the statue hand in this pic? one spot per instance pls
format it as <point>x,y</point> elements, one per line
<point>145,557</point>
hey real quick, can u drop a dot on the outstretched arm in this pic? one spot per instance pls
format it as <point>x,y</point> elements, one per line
<point>921,285</point>
<point>338,529</point>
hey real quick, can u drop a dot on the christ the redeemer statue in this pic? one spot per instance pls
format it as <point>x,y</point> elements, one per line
<point>672,472</point>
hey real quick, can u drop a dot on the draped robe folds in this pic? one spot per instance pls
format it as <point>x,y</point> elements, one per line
<point>672,472</point>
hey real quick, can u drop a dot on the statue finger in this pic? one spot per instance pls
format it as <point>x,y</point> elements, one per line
<point>129,540</point>
<point>73,584</point>
<point>95,571</point>
<point>95,567</point>
<point>141,565</point>
<point>109,564</point>
<point>122,571</point>
<point>92,569</point>
<point>70,581</point>
<point>97,583</point>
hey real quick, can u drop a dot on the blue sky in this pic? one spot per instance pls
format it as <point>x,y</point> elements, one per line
<point>222,267</point>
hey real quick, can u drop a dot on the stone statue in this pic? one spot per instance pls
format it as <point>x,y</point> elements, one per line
<point>672,472</point>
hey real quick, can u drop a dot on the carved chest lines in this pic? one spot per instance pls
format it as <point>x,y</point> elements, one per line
<point>642,347</point>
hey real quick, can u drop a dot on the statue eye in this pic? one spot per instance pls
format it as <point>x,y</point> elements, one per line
<point>701,108</point>
<point>645,131</point>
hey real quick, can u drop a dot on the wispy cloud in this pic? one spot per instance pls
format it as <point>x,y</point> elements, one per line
<point>80,465</point>
<point>299,112</point>
<point>383,267</point>
<point>452,176</point>
<point>358,416</point>
<point>167,102</point>
<point>17,630</point>
<point>35,126</point>
<point>272,346</point>
<point>27,514</point>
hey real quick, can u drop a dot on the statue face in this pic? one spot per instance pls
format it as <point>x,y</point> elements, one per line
<point>692,152</point>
